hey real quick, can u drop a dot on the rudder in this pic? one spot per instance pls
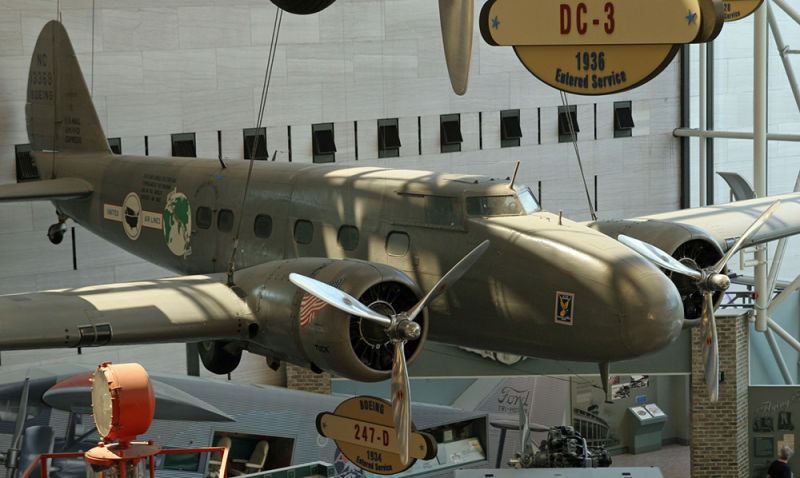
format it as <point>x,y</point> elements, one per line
<point>59,112</point>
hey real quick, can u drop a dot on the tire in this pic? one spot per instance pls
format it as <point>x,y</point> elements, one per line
<point>302,7</point>
<point>216,358</point>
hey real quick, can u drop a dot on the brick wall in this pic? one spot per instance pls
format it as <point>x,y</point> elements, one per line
<point>299,378</point>
<point>719,430</point>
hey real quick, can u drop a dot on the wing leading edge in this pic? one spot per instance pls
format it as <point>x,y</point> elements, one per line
<point>726,222</point>
<point>183,309</point>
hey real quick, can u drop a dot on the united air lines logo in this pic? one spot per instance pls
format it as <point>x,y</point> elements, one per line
<point>564,307</point>
<point>132,216</point>
<point>312,304</point>
<point>178,223</point>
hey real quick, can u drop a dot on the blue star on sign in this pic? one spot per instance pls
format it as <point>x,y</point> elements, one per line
<point>692,17</point>
<point>495,23</point>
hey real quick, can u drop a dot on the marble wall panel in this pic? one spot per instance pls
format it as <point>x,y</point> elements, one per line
<point>160,144</point>
<point>344,137</point>
<point>290,105</point>
<point>213,27</point>
<point>529,123</point>
<point>363,21</point>
<point>368,140</point>
<point>302,143</point>
<point>140,29</point>
<point>365,101</point>
<point>13,77</point>
<point>310,63</point>
<point>179,71</point>
<point>210,110</point>
<point>206,144</point>
<point>10,33</point>
<point>278,140</point>
<point>114,74</point>
<point>16,217</point>
<point>245,67</point>
<point>490,126</point>
<point>427,96</point>
<point>430,132</point>
<point>470,132</point>
<point>294,28</point>
<point>409,136</point>
<point>144,114</point>
<point>640,111</point>
<point>412,19</point>
<point>233,144</point>
<point>12,117</point>
<point>133,145</point>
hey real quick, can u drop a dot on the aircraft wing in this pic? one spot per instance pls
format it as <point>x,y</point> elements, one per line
<point>726,222</point>
<point>182,309</point>
<point>48,189</point>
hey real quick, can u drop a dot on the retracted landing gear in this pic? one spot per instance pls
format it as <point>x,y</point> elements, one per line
<point>56,232</point>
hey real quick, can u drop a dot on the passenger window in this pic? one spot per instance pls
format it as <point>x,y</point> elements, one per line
<point>397,243</point>
<point>348,238</point>
<point>263,226</point>
<point>441,211</point>
<point>303,231</point>
<point>225,220</point>
<point>203,217</point>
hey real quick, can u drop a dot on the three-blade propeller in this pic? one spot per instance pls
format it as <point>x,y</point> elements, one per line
<point>400,328</point>
<point>709,281</point>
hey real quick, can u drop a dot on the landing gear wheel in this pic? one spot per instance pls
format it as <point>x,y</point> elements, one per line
<point>56,232</point>
<point>217,358</point>
<point>302,7</point>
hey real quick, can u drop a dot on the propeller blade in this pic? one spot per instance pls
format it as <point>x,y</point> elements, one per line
<point>401,402</point>
<point>337,298</point>
<point>22,414</point>
<point>659,257</point>
<point>456,18</point>
<point>710,347</point>
<point>524,427</point>
<point>764,217</point>
<point>449,279</point>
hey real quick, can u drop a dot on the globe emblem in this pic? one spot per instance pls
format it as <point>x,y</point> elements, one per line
<point>178,223</point>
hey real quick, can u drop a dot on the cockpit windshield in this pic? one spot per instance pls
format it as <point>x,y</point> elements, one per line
<point>527,200</point>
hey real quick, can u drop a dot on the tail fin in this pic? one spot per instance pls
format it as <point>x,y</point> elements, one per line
<point>59,112</point>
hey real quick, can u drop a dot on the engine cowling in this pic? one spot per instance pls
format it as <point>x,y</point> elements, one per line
<point>690,245</point>
<point>299,328</point>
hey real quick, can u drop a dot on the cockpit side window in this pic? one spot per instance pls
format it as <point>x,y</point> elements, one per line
<point>493,206</point>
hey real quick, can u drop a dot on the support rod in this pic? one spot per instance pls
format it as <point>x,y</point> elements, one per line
<point>701,66</point>
<point>760,151</point>
<point>783,50</point>
<point>789,10</point>
<point>692,132</point>
<point>773,345</point>
<point>784,334</point>
<point>783,295</point>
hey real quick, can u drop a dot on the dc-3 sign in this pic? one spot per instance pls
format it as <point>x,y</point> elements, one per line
<point>363,429</point>
<point>596,47</point>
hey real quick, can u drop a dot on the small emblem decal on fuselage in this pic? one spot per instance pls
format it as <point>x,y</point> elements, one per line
<point>178,223</point>
<point>132,216</point>
<point>565,302</point>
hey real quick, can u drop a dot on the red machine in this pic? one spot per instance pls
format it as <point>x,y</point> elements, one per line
<point>123,404</point>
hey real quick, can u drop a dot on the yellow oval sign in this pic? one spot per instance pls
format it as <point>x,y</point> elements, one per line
<point>596,70</point>
<point>363,429</point>
<point>733,10</point>
<point>591,22</point>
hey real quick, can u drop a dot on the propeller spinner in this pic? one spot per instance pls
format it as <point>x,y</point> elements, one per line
<point>400,328</point>
<point>708,280</point>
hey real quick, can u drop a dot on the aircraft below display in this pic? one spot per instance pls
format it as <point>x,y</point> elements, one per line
<point>235,232</point>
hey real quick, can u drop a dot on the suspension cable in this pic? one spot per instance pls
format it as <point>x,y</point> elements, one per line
<point>273,46</point>
<point>574,138</point>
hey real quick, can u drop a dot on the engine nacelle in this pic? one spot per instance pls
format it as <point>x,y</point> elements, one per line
<point>302,7</point>
<point>690,245</point>
<point>299,328</point>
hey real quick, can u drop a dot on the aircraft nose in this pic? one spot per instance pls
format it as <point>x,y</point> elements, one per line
<point>652,312</point>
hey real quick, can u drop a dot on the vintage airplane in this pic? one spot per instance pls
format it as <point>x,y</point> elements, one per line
<point>236,232</point>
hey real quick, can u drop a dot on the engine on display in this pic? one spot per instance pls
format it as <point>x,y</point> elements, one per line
<point>304,330</point>
<point>566,448</point>
<point>302,7</point>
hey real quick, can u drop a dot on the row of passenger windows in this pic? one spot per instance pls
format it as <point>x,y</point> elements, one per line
<point>262,227</point>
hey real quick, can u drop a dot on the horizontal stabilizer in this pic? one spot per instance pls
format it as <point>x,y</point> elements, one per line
<point>182,309</point>
<point>46,190</point>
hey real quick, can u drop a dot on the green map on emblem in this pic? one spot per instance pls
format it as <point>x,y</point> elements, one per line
<point>178,223</point>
